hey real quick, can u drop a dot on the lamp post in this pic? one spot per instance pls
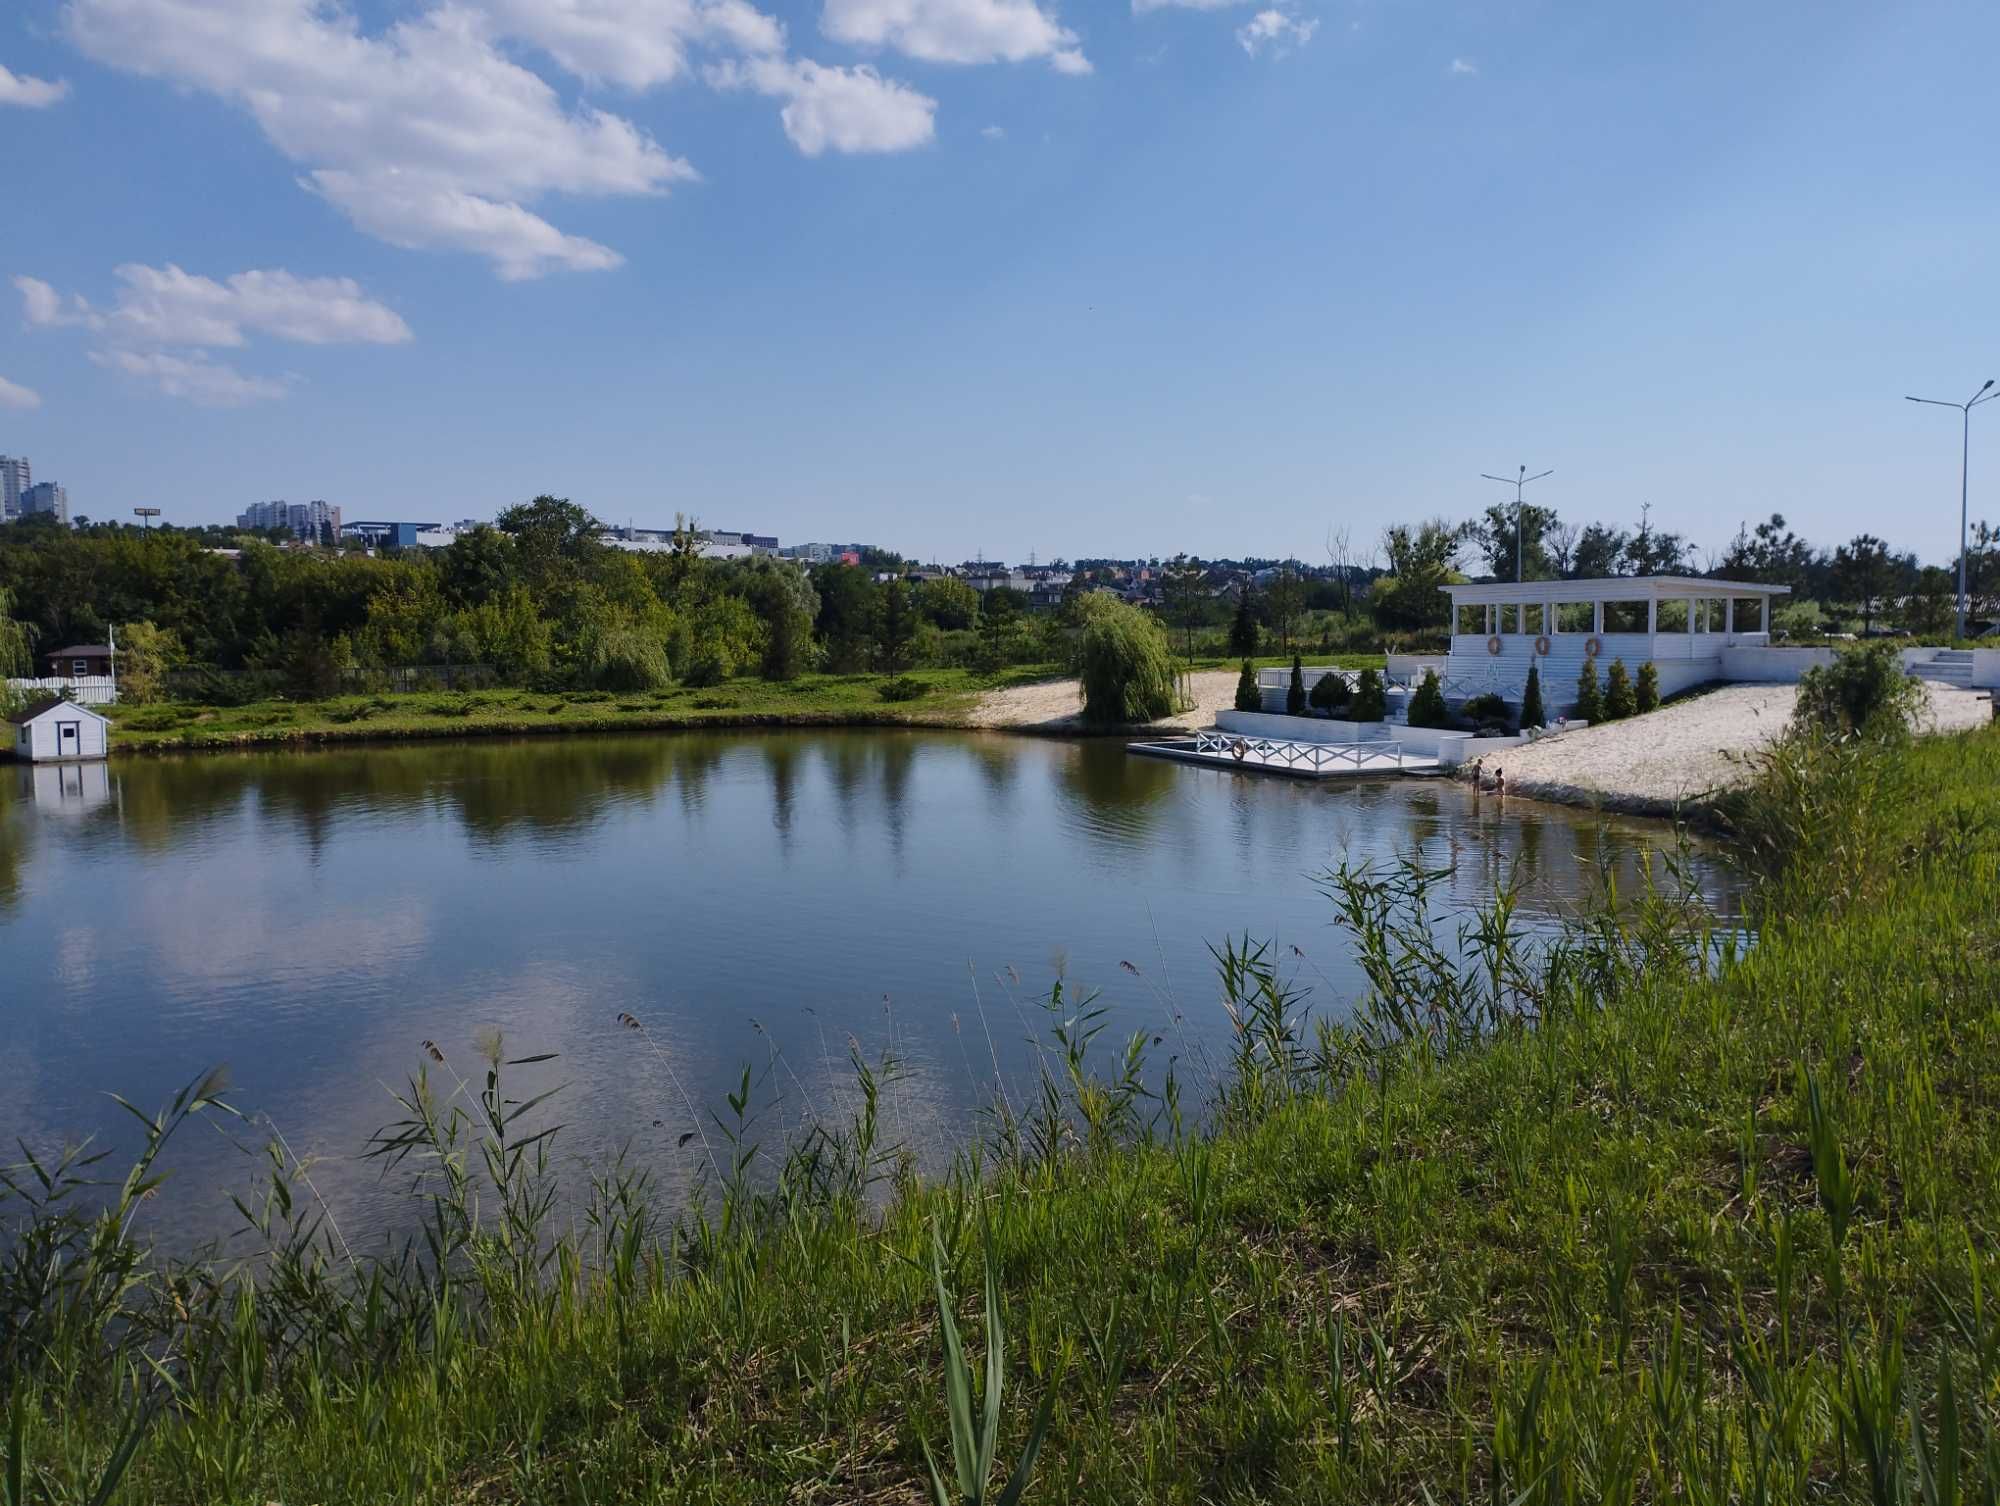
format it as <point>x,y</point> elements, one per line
<point>1517,482</point>
<point>146,516</point>
<point>1985,394</point>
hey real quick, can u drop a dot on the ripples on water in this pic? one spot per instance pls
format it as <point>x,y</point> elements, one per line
<point>311,918</point>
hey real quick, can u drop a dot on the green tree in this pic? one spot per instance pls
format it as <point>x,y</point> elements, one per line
<point>1600,551</point>
<point>1618,702</point>
<point>17,641</point>
<point>1286,598</point>
<point>1243,627</point>
<point>848,603</point>
<point>1497,534</point>
<point>1423,560</point>
<point>1427,708</point>
<point>1329,693</point>
<point>1865,692</point>
<point>1127,667</point>
<point>1589,699</point>
<point>1930,610</point>
<point>1863,572</point>
<point>145,654</point>
<point>1295,693</point>
<point>556,539</point>
<point>948,602</point>
<point>1184,597</point>
<point>898,628</point>
<point>1248,696</point>
<point>1371,702</point>
<point>477,566</point>
<point>1646,697</point>
<point>1533,713</point>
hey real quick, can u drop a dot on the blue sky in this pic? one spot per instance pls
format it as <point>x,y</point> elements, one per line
<point>982,275</point>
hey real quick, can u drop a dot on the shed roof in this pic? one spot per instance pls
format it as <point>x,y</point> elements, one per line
<point>1611,588</point>
<point>43,704</point>
<point>77,649</point>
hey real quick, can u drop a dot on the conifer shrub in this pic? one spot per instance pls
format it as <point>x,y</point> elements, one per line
<point>1248,696</point>
<point>1370,703</point>
<point>1618,702</point>
<point>1295,693</point>
<point>1533,713</point>
<point>1589,699</point>
<point>1647,696</point>
<point>1427,708</point>
<point>1330,693</point>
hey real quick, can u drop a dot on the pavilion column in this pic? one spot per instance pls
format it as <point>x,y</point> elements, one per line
<point>1765,616</point>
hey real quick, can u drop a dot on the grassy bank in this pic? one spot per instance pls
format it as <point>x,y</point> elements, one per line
<point>811,700</point>
<point>947,700</point>
<point>1635,1215</point>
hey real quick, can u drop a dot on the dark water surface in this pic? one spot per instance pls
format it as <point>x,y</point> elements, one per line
<point>311,919</point>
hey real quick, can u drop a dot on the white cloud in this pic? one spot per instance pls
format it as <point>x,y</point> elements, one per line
<point>30,93</point>
<point>21,399</point>
<point>1462,66</point>
<point>993,132</point>
<point>166,306</point>
<point>211,384</point>
<point>835,109</point>
<point>1140,7</point>
<point>424,134</point>
<point>1274,32</point>
<point>956,31</point>
<point>636,43</point>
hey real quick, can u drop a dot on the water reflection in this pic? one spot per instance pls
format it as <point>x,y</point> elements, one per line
<point>310,918</point>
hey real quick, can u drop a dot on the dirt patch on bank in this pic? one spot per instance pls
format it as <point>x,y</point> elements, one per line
<point>1056,706</point>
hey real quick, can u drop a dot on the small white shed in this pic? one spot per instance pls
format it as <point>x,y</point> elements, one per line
<point>49,730</point>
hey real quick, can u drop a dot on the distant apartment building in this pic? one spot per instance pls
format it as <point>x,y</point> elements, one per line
<point>317,522</point>
<point>385,535</point>
<point>15,478</point>
<point>45,499</point>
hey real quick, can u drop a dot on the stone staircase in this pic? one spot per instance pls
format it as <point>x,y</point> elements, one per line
<point>1952,666</point>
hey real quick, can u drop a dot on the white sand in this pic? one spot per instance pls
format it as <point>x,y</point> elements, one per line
<point>1054,705</point>
<point>1682,752</point>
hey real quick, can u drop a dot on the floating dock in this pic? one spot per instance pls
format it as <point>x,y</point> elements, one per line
<point>1299,760</point>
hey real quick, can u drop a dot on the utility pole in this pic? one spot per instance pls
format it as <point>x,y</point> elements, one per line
<point>1517,482</point>
<point>1985,394</point>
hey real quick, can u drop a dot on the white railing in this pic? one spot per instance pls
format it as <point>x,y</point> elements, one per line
<point>1280,678</point>
<point>1319,757</point>
<point>87,690</point>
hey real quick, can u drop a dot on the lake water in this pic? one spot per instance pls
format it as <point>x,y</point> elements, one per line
<point>311,919</point>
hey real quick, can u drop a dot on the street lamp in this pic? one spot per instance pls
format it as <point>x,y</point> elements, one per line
<point>1517,482</point>
<point>146,516</point>
<point>1985,394</point>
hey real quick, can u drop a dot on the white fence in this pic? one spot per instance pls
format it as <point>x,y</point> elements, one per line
<point>1263,752</point>
<point>89,690</point>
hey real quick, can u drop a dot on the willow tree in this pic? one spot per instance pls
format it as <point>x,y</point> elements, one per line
<point>1127,664</point>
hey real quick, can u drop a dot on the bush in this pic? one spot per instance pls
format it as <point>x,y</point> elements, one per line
<point>902,688</point>
<point>1330,693</point>
<point>1248,696</point>
<point>1295,693</point>
<point>1864,692</point>
<point>1589,699</point>
<point>1647,696</point>
<point>1618,702</point>
<point>706,666</point>
<point>1125,663</point>
<point>627,659</point>
<point>1370,703</point>
<point>1487,710</point>
<point>1533,713</point>
<point>1427,708</point>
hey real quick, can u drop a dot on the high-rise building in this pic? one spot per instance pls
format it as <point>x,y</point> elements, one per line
<point>14,479</point>
<point>315,522</point>
<point>45,497</point>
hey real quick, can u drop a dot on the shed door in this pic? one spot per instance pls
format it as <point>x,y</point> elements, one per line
<point>66,739</point>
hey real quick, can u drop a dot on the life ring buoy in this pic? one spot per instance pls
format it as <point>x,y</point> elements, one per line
<point>1238,749</point>
<point>1493,644</point>
<point>1542,645</point>
<point>1592,647</point>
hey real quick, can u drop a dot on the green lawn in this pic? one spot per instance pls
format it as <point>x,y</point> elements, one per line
<point>809,700</point>
<point>1650,1215</point>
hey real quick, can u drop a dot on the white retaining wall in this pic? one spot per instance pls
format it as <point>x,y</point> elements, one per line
<point>1986,668</point>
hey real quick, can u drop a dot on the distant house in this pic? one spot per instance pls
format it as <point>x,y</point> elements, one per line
<point>80,661</point>
<point>50,729</point>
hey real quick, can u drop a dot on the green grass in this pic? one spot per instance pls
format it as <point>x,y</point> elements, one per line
<point>1649,1214</point>
<point>811,700</point>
